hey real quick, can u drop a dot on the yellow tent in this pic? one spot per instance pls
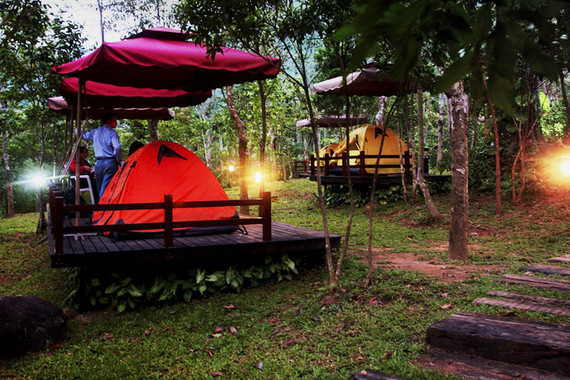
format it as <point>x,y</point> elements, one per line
<point>368,139</point>
<point>328,149</point>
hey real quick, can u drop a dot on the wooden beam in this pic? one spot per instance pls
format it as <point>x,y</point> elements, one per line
<point>534,344</point>
<point>547,269</point>
<point>538,282</point>
<point>523,305</point>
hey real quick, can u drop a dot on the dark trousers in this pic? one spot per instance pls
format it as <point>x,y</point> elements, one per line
<point>104,171</point>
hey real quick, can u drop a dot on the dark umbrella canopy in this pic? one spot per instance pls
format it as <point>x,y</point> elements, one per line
<point>59,104</point>
<point>332,121</point>
<point>371,81</point>
<point>102,95</point>
<point>145,62</point>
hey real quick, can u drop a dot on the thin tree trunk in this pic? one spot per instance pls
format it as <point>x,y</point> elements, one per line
<point>499,207</point>
<point>207,141</point>
<point>440,124</point>
<point>9,189</point>
<point>153,130</point>
<point>380,116</point>
<point>239,125</point>
<point>433,212</point>
<point>565,100</point>
<point>459,127</point>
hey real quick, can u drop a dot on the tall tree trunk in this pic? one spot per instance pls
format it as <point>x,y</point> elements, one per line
<point>153,130</point>
<point>433,212</point>
<point>565,100</point>
<point>498,205</point>
<point>239,125</point>
<point>9,189</point>
<point>459,127</point>
<point>380,116</point>
<point>440,124</point>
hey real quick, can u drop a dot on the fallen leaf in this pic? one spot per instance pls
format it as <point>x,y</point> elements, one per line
<point>166,328</point>
<point>363,372</point>
<point>219,329</point>
<point>445,295</point>
<point>387,356</point>
<point>229,306</point>
<point>233,330</point>
<point>272,320</point>
<point>260,365</point>
<point>289,342</point>
<point>446,306</point>
<point>216,336</point>
<point>217,374</point>
<point>146,332</point>
<point>209,353</point>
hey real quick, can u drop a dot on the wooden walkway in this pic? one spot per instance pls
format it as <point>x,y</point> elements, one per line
<point>101,250</point>
<point>514,345</point>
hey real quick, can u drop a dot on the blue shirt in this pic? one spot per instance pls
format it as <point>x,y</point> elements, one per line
<point>105,142</point>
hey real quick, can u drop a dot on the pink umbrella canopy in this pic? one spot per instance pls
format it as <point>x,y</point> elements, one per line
<point>60,105</point>
<point>332,121</point>
<point>155,62</point>
<point>101,95</point>
<point>371,81</point>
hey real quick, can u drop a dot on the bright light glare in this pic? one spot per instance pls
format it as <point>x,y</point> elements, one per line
<point>565,166</point>
<point>38,180</point>
<point>231,168</point>
<point>258,177</point>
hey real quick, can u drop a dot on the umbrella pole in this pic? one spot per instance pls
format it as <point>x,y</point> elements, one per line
<point>77,153</point>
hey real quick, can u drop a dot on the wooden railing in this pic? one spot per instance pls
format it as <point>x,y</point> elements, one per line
<point>58,210</point>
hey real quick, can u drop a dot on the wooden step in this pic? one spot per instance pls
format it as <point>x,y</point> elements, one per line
<point>561,259</point>
<point>538,282</point>
<point>533,344</point>
<point>547,269</point>
<point>543,300</point>
<point>522,305</point>
<point>473,367</point>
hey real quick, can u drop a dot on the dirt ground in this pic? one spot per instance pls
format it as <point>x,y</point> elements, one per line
<point>386,258</point>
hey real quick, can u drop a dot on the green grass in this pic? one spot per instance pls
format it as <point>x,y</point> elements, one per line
<point>292,329</point>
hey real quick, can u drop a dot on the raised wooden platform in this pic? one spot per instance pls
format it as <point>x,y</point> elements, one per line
<point>101,250</point>
<point>388,179</point>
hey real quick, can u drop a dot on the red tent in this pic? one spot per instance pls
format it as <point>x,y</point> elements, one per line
<point>162,168</point>
<point>59,104</point>
<point>156,62</point>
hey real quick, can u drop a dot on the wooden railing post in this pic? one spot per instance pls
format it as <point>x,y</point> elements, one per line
<point>313,164</point>
<point>362,163</point>
<point>345,162</point>
<point>266,215</point>
<point>168,233</point>
<point>407,172</point>
<point>327,164</point>
<point>57,221</point>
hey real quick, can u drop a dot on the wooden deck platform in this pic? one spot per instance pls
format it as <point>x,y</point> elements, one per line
<point>101,250</point>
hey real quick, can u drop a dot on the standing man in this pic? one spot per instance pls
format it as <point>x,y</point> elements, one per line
<point>107,149</point>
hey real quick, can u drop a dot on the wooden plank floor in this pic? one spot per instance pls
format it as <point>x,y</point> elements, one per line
<point>100,250</point>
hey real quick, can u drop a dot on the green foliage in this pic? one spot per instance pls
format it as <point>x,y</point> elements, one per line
<point>123,291</point>
<point>340,195</point>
